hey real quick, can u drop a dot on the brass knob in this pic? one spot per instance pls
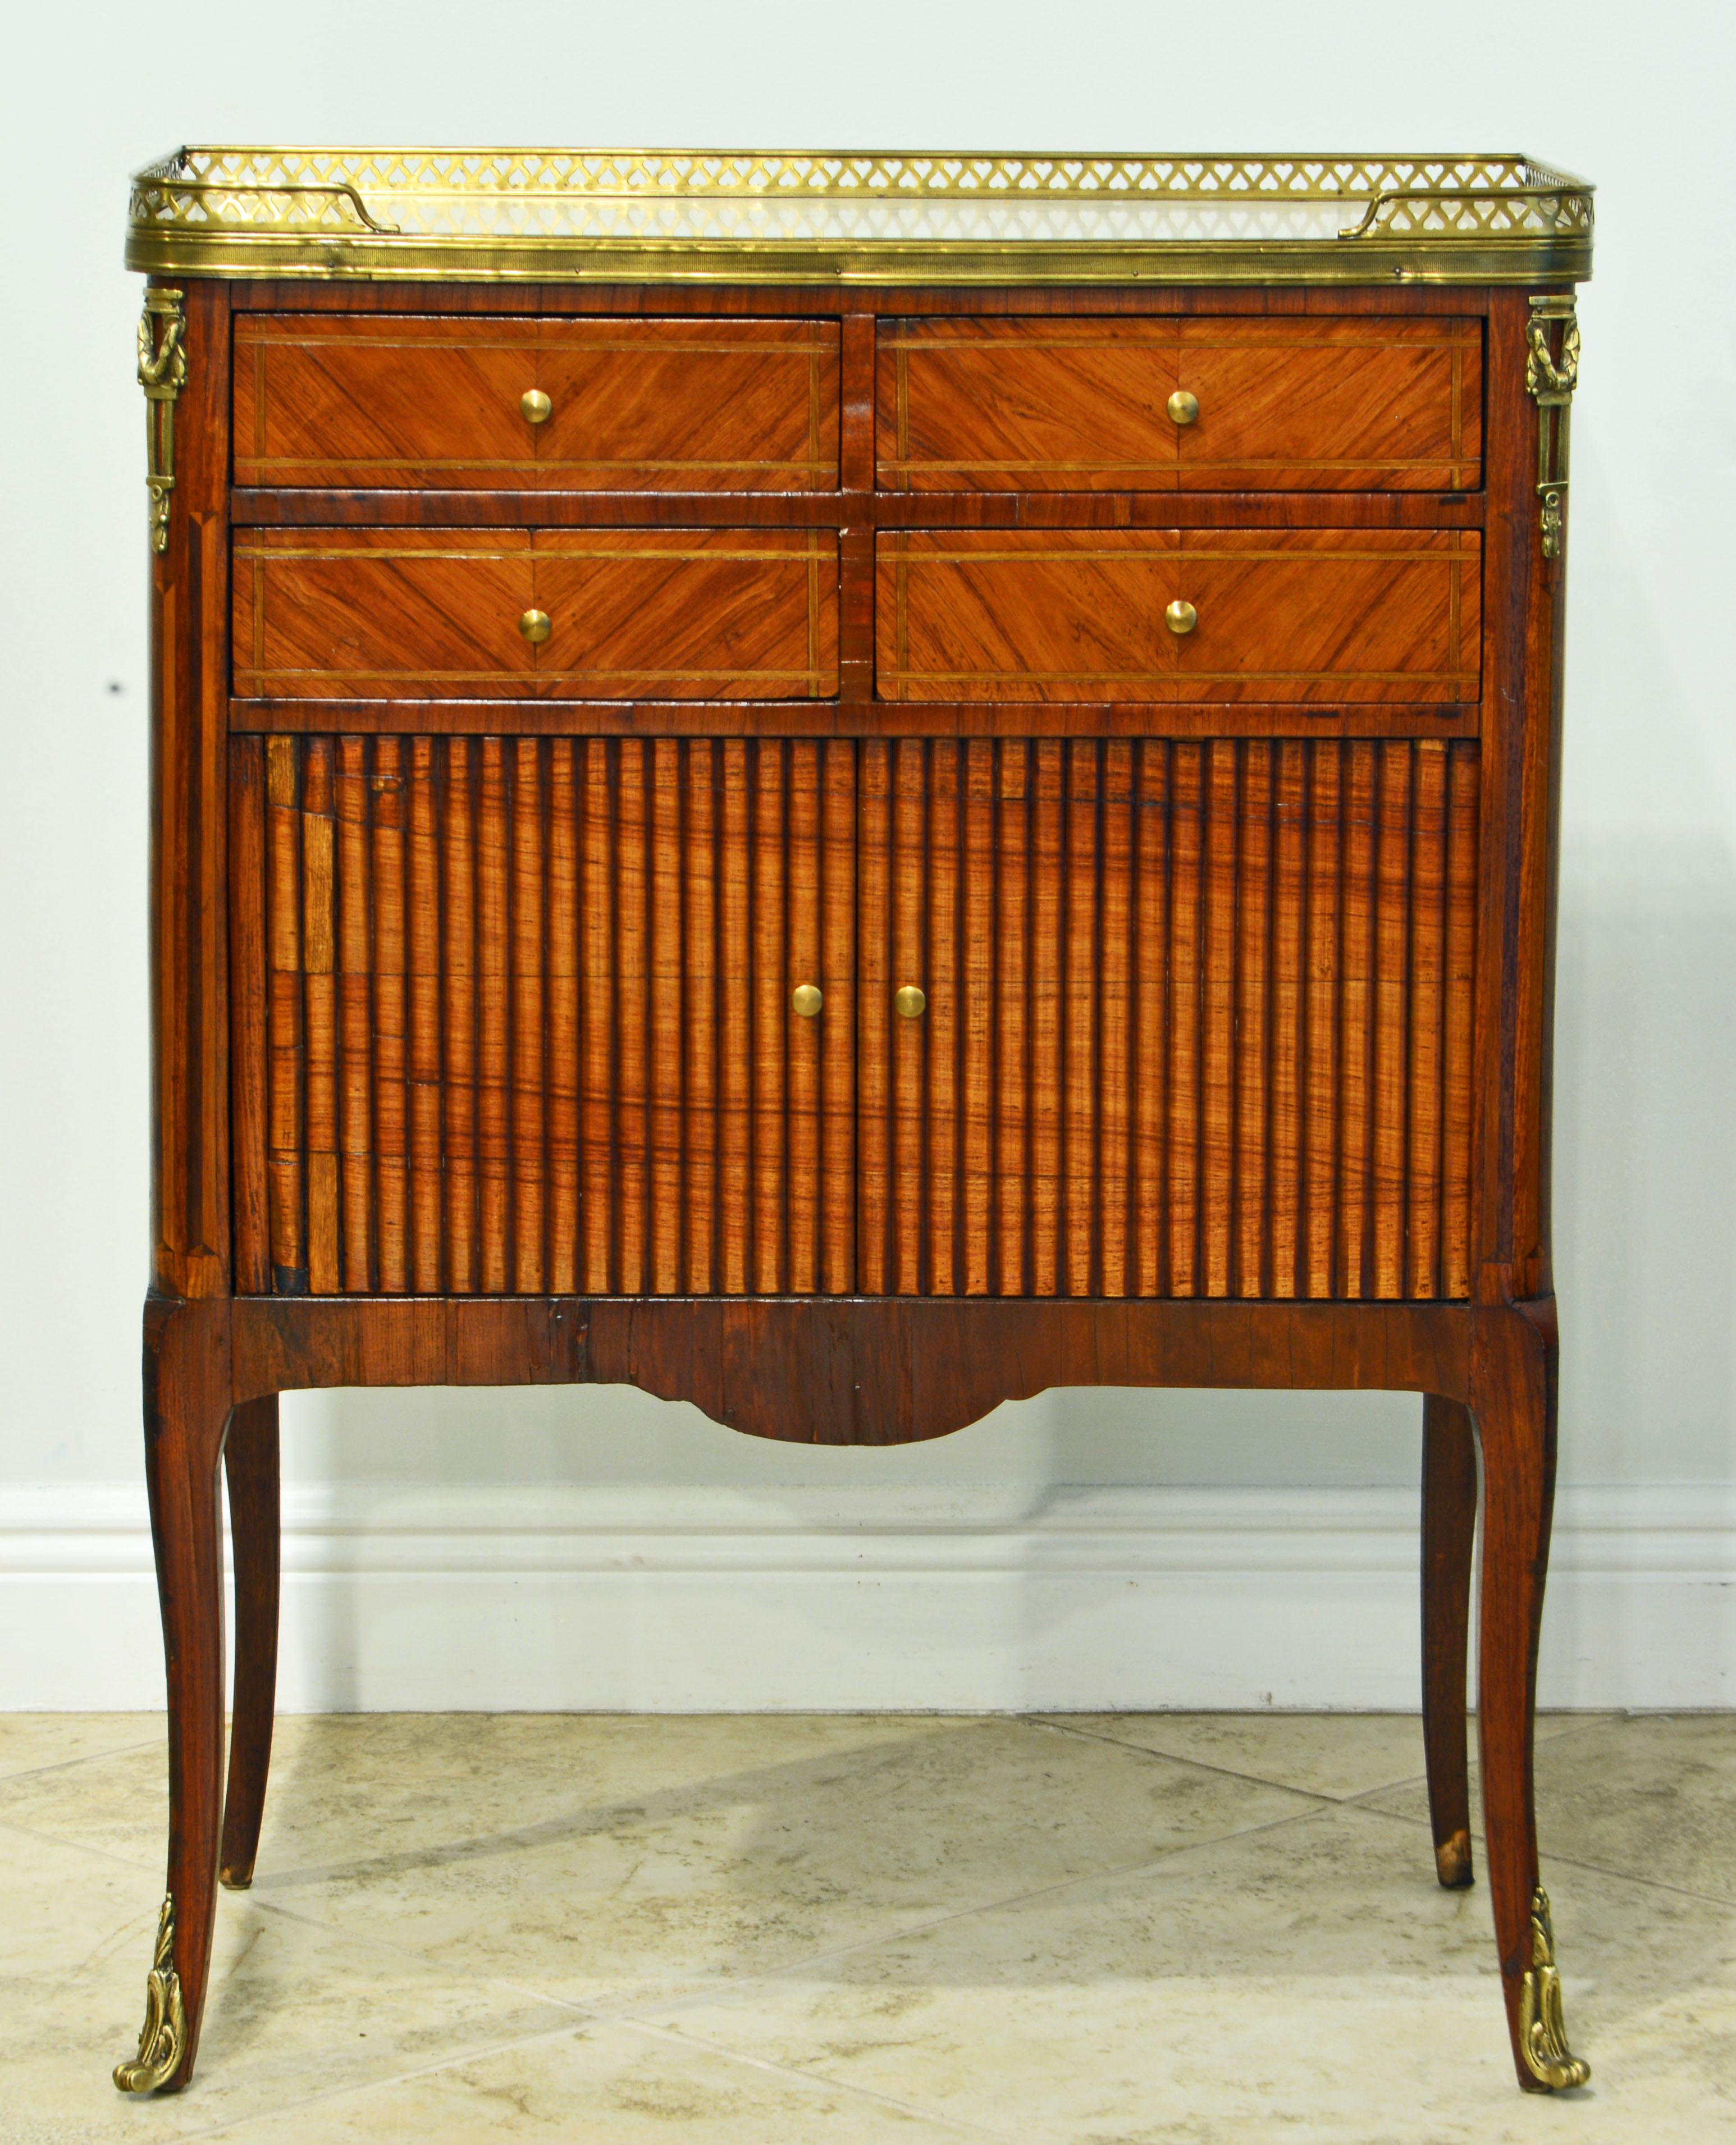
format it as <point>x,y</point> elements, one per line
<point>535,406</point>
<point>536,629</point>
<point>910,1002</point>
<point>807,999</point>
<point>1183,407</point>
<point>1180,616</point>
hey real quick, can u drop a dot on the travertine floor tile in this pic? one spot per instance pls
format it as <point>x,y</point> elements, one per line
<point>1309,1983</point>
<point>1337,1755</point>
<point>62,1905</point>
<point>1653,1797</point>
<point>293,2010</point>
<point>606,2084</point>
<point>730,1847</point>
<point>1114,1959</point>
<point>29,1741</point>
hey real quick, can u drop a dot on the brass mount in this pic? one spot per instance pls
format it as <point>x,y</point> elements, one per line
<point>162,374</point>
<point>1552,372</point>
<point>162,2038</point>
<point>1542,2026</point>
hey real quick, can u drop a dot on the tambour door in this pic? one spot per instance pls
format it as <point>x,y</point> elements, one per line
<point>1195,1017</point>
<point>513,1015</point>
<point>998,1016</point>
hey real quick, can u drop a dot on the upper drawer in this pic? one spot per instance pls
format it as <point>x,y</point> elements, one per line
<point>1295,404</point>
<point>633,405</point>
<point>623,615</point>
<point>1323,615</point>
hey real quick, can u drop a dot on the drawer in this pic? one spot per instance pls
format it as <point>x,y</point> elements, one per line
<point>1327,615</point>
<point>1054,404</point>
<point>632,406</point>
<point>683,615</point>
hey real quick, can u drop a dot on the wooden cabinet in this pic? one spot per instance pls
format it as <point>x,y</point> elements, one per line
<point>848,788</point>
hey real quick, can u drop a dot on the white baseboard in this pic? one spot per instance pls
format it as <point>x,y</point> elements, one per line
<point>676,1600</point>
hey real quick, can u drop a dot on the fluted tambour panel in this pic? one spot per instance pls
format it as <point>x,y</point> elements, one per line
<point>528,1021</point>
<point>1198,1016</point>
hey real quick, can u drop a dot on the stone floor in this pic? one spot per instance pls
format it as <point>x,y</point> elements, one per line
<point>1081,1929</point>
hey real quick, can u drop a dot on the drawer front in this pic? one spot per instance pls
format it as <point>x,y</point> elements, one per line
<point>514,1015</point>
<point>1052,405</point>
<point>631,614</point>
<point>632,406</point>
<point>1326,616</point>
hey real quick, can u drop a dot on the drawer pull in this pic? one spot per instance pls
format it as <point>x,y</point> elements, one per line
<point>807,999</point>
<point>1180,616</point>
<point>1183,407</point>
<point>910,1002</point>
<point>535,627</point>
<point>535,406</point>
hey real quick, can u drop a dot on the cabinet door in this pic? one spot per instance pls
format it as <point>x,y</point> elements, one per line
<point>1197,1017</point>
<point>513,1015</point>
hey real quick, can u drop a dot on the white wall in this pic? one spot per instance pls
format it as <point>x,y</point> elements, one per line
<point>890,1577</point>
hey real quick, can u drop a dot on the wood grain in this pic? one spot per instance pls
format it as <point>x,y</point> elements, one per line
<point>530,932</point>
<point>1043,405</point>
<point>702,613</point>
<point>637,404</point>
<point>285,1125</point>
<point>356,955</point>
<point>1285,1194</point>
<point>837,882</point>
<point>319,1016</point>
<point>191,1206</point>
<point>942,1023</point>
<point>1284,616</point>
<point>251,966</point>
<point>665,1017</point>
<point>390,995</point>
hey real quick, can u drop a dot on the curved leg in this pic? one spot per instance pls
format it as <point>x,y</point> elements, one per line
<point>186,1411</point>
<point>250,1460</point>
<point>1514,1407</point>
<point>1449,1522</point>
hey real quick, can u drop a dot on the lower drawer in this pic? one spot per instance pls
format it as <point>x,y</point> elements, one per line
<point>1327,615</point>
<point>600,614</point>
<point>1013,1016</point>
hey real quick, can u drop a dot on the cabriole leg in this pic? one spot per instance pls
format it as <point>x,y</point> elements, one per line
<point>1449,1521</point>
<point>1514,1407</point>
<point>251,1462</point>
<point>186,1411</point>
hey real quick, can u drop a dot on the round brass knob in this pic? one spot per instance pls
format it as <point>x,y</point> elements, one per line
<point>807,999</point>
<point>1180,616</point>
<point>536,629</point>
<point>1183,407</point>
<point>535,406</point>
<point>910,1002</point>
